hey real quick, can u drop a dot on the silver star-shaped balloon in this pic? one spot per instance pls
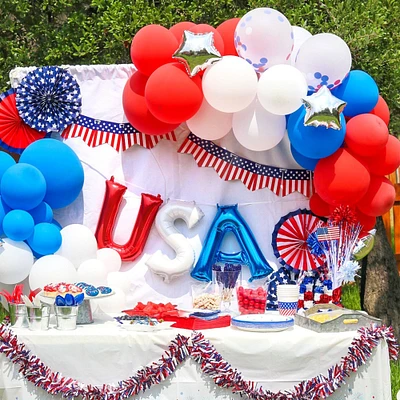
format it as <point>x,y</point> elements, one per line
<point>323,109</point>
<point>197,51</point>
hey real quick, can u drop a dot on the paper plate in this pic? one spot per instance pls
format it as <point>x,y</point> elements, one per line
<point>271,322</point>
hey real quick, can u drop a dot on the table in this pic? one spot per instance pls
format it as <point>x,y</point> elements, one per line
<point>105,353</point>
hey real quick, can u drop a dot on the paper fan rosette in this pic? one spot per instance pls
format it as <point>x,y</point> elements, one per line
<point>49,99</point>
<point>15,134</point>
<point>289,240</point>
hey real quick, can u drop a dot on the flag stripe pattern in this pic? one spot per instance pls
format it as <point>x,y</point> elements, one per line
<point>230,166</point>
<point>95,132</point>
<point>328,233</point>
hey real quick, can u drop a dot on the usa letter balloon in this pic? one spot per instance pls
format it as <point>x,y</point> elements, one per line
<point>159,263</point>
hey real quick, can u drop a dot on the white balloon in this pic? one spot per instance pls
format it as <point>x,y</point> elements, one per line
<point>281,89</point>
<point>300,35</point>
<point>52,269</point>
<point>324,59</point>
<point>263,37</point>
<point>209,123</point>
<point>16,261</point>
<point>230,85</point>
<point>257,129</point>
<point>111,259</point>
<point>122,280</point>
<point>111,304</point>
<point>78,244</point>
<point>159,263</point>
<point>93,271</point>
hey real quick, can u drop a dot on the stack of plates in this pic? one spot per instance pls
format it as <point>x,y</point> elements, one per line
<point>271,322</point>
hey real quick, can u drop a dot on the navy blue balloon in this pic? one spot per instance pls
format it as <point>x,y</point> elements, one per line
<point>18,225</point>
<point>305,162</point>
<point>60,167</point>
<point>359,91</point>
<point>23,187</point>
<point>6,161</point>
<point>314,142</point>
<point>228,219</point>
<point>46,239</point>
<point>42,213</point>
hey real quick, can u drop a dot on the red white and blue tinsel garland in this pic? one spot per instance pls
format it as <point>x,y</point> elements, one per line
<point>211,363</point>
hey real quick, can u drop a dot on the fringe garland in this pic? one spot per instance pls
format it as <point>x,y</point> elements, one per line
<point>211,363</point>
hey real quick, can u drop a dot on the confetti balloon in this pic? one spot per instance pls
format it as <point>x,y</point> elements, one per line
<point>264,38</point>
<point>300,35</point>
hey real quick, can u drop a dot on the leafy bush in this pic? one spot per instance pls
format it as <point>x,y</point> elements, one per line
<point>45,32</point>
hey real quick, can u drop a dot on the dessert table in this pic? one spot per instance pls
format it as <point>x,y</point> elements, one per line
<point>104,352</point>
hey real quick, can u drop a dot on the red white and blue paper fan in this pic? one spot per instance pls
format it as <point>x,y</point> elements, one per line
<point>289,240</point>
<point>49,99</point>
<point>15,134</point>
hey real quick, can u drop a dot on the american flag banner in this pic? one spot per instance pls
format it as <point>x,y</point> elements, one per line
<point>328,233</point>
<point>255,176</point>
<point>120,136</point>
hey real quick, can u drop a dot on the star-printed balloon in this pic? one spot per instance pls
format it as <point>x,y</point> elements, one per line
<point>323,109</point>
<point>197,51</point>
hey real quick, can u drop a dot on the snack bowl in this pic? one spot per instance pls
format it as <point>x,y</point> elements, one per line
<point>270,322</point>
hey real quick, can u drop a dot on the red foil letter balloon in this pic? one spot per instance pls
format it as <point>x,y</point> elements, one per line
<point>145,218</point>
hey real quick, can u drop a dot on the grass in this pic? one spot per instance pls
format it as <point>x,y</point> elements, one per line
<point>351,300</point>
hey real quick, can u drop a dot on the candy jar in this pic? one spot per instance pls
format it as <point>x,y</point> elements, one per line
<point>227,276</point>
<point>252,297</point>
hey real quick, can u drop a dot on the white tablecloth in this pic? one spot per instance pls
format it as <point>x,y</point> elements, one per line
<point>106,353</point>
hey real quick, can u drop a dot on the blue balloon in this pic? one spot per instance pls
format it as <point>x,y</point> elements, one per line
<point>60,167</point>
<point>6,161</point>
<point>4,209</point>
<point>314,142</point>
<point>231,258</point>
<point>46,239</point>
<point>228,219</point>
<point>57,224</point>
<point>42,213</point>
<point>23,187</point>
<point>292,118</point>
<point>18,225</point>
<point>359,91</point>
<point>305,162</point>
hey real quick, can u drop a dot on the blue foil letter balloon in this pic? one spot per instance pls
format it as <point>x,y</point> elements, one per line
<point>228,219</point>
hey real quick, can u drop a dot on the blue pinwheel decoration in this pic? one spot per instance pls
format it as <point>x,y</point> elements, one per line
<point>49,99</point>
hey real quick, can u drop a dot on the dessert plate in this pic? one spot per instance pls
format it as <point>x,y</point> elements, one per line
<point>270,322</point>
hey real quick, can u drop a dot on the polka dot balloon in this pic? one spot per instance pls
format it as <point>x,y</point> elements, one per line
<point>325,60</point>
<point>264,37</point>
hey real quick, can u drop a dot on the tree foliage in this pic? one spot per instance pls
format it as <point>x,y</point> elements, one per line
<point>55,32</point>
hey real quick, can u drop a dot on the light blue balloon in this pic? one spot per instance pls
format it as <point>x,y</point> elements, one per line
<point>312,142</point>
<point>42,213</point>
<point>18,225</point>
<point>359,91</point>
<point>6,161</point>
<point>60,167</point>
<point>305,162</point>
<point>46,239</point>
<point>4,209</point>
<point>228,219</point>
<point>23,187</point>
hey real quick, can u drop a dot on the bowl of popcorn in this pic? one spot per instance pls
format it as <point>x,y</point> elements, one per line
<point>207,296</point>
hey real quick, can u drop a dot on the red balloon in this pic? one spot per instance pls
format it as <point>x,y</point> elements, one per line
<point>382,110</point>
<point>367,221</point>
<point>136,110</point>
<point>386,160</point>
<point>341,178</point>
<point>171,95</point>
<point>318,206</point>
<point>147,212</point>
<point>218,41</point>
<point>177,29</point>
<point>366,134</point>
<point>227,32</point>
<point>152,46</point>
<point>380,197</point>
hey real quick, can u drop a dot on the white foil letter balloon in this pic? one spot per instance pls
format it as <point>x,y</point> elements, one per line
<point>159,263</point>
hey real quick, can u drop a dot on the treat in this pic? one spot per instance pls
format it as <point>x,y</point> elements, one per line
<point>53,290</point>
<point>139,319</point>
<point>207,301</point>
<point>93,291</point>
<point>153,310</point>
<point>251,301</point>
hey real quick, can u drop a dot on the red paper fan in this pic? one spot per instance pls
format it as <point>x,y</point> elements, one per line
<point>15,134</point>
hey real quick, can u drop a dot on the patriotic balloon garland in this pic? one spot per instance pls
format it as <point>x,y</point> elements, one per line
<point>211,363</point>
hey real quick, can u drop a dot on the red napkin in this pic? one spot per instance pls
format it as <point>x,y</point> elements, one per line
<point>197,323</point>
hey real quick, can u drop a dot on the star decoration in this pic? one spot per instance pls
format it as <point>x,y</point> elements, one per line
<point>197,52</point>
<point>323,109</point>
